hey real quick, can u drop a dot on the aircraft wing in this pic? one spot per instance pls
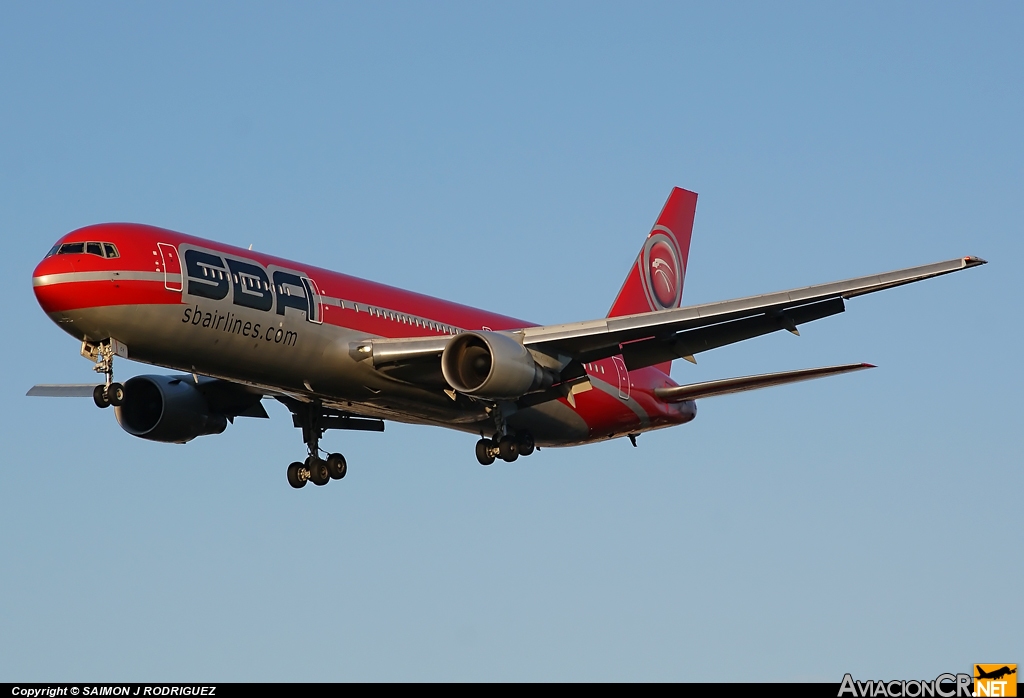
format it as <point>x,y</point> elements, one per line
<point>645,339</point>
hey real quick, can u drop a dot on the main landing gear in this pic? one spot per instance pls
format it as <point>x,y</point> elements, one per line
<point>314,469</point>
<point>314,419</point>
<point>508,448</point>
<point>317,470</point>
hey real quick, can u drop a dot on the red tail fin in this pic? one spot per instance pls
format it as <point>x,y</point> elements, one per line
<point>655,281</point>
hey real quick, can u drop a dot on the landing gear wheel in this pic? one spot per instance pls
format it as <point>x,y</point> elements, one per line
<point>99,396</point>
<point>318,472</point>
<point>526,445</point>
<point>485,451</point>
<point>336,466</point>
<point>508,449</point>
<point>296,478</point>
<point>115,394</point>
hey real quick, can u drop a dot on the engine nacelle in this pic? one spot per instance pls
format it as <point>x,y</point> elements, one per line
<point>492,365</point>
<point>167,409</point>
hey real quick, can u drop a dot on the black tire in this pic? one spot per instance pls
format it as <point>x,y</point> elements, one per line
<point>99,396</point>
<point>295,479</point>
<point>318,473</point>
<point>508,449</point>
<point>115,394</point>
<point>526,445</point>
<point>336,466</point>
<point>483,451</point>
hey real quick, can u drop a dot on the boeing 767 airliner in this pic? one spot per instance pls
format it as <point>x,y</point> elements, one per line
<point>345,353</point>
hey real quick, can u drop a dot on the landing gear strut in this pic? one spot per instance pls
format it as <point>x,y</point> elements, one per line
<point>506,444</point>
<point>313,468</point>
<point>110,393</point>
<point>314,419</point>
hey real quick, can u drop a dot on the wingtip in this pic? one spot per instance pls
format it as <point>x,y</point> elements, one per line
<point>971,261</point>
<point>868,366</point>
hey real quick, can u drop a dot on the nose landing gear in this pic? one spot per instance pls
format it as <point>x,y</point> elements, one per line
<point>110,393</point>
<point>107,395</point>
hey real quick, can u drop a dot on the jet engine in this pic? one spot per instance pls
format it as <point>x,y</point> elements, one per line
<point>168,409</point>
<point>492,365</point>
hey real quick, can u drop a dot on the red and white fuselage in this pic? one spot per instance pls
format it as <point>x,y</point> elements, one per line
<point>211,309</point>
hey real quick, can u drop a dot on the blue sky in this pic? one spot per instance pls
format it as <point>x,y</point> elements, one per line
<point>514,158</point>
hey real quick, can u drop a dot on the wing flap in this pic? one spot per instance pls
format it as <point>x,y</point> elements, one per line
<point>649,352</point>
<point>726,386</point>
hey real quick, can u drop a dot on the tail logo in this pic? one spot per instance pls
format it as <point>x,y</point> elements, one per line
<point>663,277</point>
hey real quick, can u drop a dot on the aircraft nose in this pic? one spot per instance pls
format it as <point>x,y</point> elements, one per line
<point>46,280</point>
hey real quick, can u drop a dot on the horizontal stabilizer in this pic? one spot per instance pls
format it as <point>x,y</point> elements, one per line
<point>62,390</point>
<point>695,391</point>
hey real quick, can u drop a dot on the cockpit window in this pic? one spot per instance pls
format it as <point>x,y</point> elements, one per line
<point>53,250</point>
<point>100,249</point>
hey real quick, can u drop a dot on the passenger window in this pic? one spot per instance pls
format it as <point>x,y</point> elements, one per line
<point>111,251</point>
<point>72,248</point>
<point>94,248</point>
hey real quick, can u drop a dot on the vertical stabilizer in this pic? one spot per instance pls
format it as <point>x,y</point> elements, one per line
<point>655,281</point>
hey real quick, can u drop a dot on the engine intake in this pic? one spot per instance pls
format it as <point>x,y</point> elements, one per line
<point>492,365</point>
<point>167,409</point>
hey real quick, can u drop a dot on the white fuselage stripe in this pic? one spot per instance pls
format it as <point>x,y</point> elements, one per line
<point>82,276</point>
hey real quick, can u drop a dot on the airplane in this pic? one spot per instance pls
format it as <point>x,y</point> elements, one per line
<point>995,674</point>
<point>346,353</point>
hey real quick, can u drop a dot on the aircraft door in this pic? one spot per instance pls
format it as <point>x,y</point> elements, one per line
<point>171,264</point>
<point>316,307</point>
<point>620,369</point>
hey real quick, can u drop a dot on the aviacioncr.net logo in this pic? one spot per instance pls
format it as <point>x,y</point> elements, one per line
<point>943,686</point>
